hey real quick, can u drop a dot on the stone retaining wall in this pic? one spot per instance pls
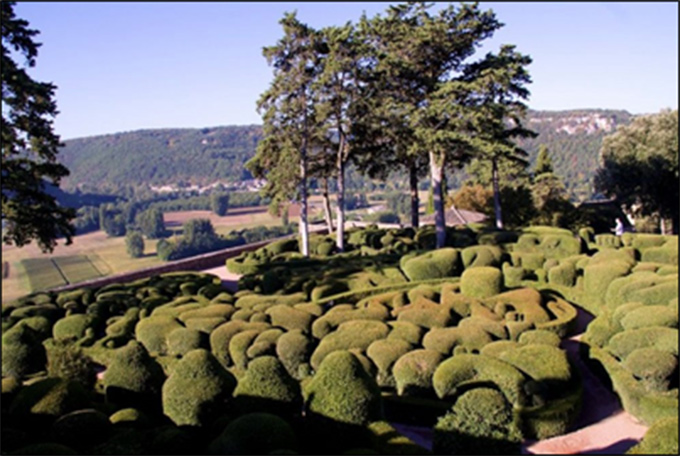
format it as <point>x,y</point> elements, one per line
<point>195,263</point>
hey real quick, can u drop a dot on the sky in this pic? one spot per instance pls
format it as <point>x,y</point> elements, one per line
<point>124,66</point>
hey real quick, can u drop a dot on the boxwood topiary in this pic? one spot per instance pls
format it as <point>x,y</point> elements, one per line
<point>255,433</point>
<point>452,376</point>
<point>22,352</point>
<point>480,422</point>
<point>413,372</point>
<point>152,332</point>
<point>48,399</point>
<point>268,387</point>
<point>183,340</point>
<point>445,262</point>
<point>481,255</point>
<point>384,353</point>
<point>239,344</point>
<point>481,282</point>
<point>342,391</point>
<point>660,438</point>
<point>197,390</point>
<point>653,367</point>
<point>72,326</point>
<point>294,349</point>
<point>350,334</point>
<point>133,378</point>
<point>81,429</point>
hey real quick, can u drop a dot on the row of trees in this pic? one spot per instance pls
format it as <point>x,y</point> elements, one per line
<point>393,91</point>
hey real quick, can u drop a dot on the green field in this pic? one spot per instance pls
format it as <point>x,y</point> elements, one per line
<point>47,273</point>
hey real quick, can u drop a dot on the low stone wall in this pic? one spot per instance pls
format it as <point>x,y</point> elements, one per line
<point>195,263</point>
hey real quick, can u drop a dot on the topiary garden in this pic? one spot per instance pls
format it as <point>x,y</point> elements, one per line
<point>321,354</point>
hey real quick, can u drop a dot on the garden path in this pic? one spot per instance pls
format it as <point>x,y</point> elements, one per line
<point>603,427</point>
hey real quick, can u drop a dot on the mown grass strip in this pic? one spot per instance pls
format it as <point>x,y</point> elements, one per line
<point>42,274</point>
<point>77,268</point>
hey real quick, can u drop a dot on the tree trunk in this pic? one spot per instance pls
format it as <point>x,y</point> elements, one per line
<point>340,239</point>
<point>436,175</point>
<point>327,207</point>
<point>304,229</point>
<point>415,202</point>
<point>496,194</point>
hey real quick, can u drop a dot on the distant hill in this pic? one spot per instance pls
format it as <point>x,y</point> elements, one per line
<point>573,139</point>
<point>106,163</point>
<point>159,157</point>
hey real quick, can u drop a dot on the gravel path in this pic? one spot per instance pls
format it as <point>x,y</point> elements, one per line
<point>603,427</point>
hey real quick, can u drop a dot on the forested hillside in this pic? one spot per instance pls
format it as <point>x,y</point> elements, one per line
<point>202,156</point>
<point>573,139</point>
<point>159,157</point>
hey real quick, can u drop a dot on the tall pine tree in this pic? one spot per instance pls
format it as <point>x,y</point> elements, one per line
<point>29,145</point>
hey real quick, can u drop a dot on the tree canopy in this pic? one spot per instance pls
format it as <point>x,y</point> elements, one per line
<point>639,166</point>
<point>29,145</point>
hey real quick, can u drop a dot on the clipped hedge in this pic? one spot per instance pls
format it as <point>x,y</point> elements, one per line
<point>197,390</point>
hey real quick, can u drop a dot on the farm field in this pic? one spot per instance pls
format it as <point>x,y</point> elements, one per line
<point>95,254</point>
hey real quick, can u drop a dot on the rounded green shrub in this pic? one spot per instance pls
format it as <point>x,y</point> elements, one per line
<point>133,377</point>
<point>480,422</point>
<point>264,344</point>
<point>445,262</point>
<point>653,367</point>
<point>267,387</point>
<point>563,275</point>
<point>660,438</point>
<point>546,365</point>
<point>598,276</point>
<point>464,369</point>
<point>342,391</point>
<point>405,330</point>
<point>197,390</point>
<point>255,433</point>
<point>68,361</point>
<point>210,311</point>
<point>221,337</point>
<point>152,332</point>
<point>539,336</point>
<point>445,340</point>
<point>49,398</point>
<point>481,255</point>
<point>413,371</point>
<point>290,318</point>
<point>513,275</point>
<point>384,353</point>
<point>624,343</point>
<point>350,334</point>
<point>294,349</point>
<point>22,352</point>
<point>129,417</point>
<point>81,429</point>
<point>239,344</point>
<point>650,316</point>
<point>481,282</point>
<point>183,340</point>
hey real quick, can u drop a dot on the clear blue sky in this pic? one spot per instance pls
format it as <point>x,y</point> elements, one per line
<point>134,65</point>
